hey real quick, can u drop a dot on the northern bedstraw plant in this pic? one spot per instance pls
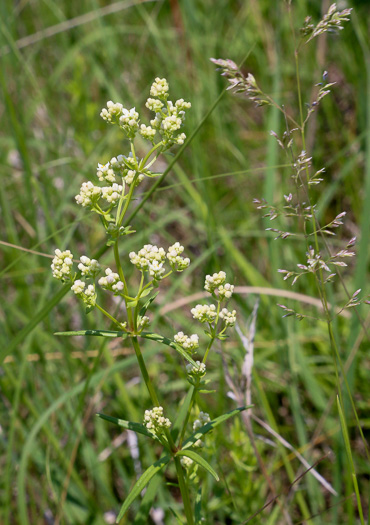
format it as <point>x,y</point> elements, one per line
<point>298,208</point>
<point>110,201</point>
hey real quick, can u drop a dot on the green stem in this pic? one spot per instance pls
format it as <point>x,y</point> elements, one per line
<point>208,349</point>
<point>147,156</point>
<point>187,417</point>
<point>196,386</point>
<point>133,150</point>
<point>122,277</point>
<point>128,200</point>
<point>109,316</point>
<point>321,286</point>
<point>184,491</point>
<point>144,372</point>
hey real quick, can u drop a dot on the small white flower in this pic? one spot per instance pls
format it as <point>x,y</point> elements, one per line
<point>111,282</point>
<point>129,121</point>
<point>203,419</point>
<point>112,193</point>
<point>159,88</point>
<point>144,322</point>
<point>197,371</point>
<point>112,112</point>
<point>62,265</point>
<point>155,421</point>
<point>229,318</point>
<point>156,270</point>
<point>86,294</point>
<point>187,343</point>
<point>147,132</point>
<point>180,139</point>
<point>78,287</point>
<point>154,104</point>
<point>88,267</point>
<point>89,194</point>
<point>186,462</point>
<point>181,105</point>
<point>225,291</point>
<point>106,173</point>
<point>177,263</point>
<point>146,256</point>
<point>171,124</point>
<point>213,281</point>
<point>204,313</point>
<point>129,178</point>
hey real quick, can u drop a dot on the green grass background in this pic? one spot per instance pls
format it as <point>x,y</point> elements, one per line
<point>60,62</point>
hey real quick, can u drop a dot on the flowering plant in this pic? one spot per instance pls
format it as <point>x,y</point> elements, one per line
<point>121,176</point>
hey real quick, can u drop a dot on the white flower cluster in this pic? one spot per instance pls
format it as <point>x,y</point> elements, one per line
<point>111,282</point>
<point>62,265</point>
<point>229,318</point>
<point>86,294</point>
<point>154,104</point>
<point>217,282</point>
<point>129,178</point>
<point>187,343</point>
<point>120,166</point>
<point>155,421</point>
<point>225,291</point>
<point>204,313</point>
<point>89,267</point>
<point>159,88</point>
<point>156,270</point>
<point>196,371</point>
<point>89,194</point>
<point>112,193</point>
<point>169,117</point>
<point>105,172</point>
<point>129,122</point>
<point>186,462</point>
<point>112,112</point>
<point>203,419</point>
<point>177,263</point>
<point>147,132</point>
<point>147,256</point>
<point>144,321</point>
<point>152,259</point>
<point>213,281</point>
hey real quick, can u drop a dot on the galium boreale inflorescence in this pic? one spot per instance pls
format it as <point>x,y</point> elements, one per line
<point>110,198</point>
<point>217,320</point>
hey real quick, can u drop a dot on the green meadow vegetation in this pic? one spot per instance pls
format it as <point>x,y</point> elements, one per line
<point>298,354</point>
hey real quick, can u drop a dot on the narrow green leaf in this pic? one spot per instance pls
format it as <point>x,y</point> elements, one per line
<point>147,303</point>
<point>198,507</point>
<point>202,431</point>
<point>347,445</point>
<point>98,333</point>
<point>168,342</point>
<point>141,484</point>
<point>141,517</point>
<point>129,425</point>
<point>198,459</point>
<point>177,516</point>
<point>207,391</point>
